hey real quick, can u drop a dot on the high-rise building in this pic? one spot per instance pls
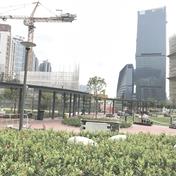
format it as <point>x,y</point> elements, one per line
<point>35,63</point>
<point>5,38</point>
<point>172,68</point>
<point>17,56</point>
<point>150,74</point>
<point>45,66</point>
<point>125,82</point>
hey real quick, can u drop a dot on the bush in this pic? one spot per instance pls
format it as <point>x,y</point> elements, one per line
<point>75,121</point>
<point>125,125</point>
<point>32,153</point>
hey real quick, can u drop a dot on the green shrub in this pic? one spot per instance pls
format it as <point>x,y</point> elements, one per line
<point>125,125</point>
<point>75,121</point>
<point>35,153</point>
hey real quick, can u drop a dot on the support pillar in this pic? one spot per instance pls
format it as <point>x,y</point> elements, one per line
<point>53,104</point>
<point>83,109</point>
<point>89,105</point>
<point>104,106</point>
<point>78,103</point>
<point>64,102</point>
<point>70,105</point>
<point>113,106</point>
<point>39,103</point>
<point>96,109</point>
<point>74,104</point>
<point>19,102</point>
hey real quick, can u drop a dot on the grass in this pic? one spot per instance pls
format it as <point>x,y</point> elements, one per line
<point>161,120</point>
<point>157,120</point>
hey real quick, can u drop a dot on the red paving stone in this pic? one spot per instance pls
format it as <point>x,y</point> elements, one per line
<point>154,129</point>
<point>57,125</point>
<point>54,124</point>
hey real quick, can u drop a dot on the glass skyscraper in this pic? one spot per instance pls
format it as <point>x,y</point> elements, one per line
<point>125,82</point>
<point>18,56</point>
<point>45,66</point>
<point>150,73</point>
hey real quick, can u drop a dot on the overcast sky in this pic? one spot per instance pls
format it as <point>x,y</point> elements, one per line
<point>102,40</point>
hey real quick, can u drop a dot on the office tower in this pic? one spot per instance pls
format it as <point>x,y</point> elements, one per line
<point>125,82</point>
<point>150,74</point>
<point>17,56</point>
<point>35,63</point>
<point>5,37</point>
<point>45,66</point>
<point>172,68</point>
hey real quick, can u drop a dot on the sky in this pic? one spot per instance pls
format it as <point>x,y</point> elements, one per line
<point>102,39</point>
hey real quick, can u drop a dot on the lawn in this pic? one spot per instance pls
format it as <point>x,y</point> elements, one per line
<point>161,120</point>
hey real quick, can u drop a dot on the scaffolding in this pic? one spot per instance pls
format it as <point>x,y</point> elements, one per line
<point>67,79</point>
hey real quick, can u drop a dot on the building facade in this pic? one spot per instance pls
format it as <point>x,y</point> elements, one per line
<point>17,56</point>
<point>5,43</point>
<point>150,73</point>
<point>125,82</point>
<point>172,68</point>
<point>45,66</point>
<point>60,79</point>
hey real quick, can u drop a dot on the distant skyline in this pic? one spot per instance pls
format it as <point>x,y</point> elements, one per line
<point>102,40</point>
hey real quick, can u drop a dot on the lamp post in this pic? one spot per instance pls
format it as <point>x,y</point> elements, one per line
<point>27,46</point>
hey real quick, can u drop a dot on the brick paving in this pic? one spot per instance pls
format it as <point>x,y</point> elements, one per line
<point>57,125</point>
<point>54,124</point>
<point>154,129</point>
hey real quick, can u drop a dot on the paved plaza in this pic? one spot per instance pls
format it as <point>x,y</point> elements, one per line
<point>56,124</point>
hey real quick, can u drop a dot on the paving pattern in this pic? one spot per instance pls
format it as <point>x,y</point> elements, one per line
<point>57,125</point>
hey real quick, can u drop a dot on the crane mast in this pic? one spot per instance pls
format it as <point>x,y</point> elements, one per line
<point>29,22</point>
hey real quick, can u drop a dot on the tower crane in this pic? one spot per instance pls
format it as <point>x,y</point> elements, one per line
<point>30,20</point>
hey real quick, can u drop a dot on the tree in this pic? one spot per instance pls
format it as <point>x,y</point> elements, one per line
<point>47,100</point>
<point>12,95</point>
<point>96,85</point>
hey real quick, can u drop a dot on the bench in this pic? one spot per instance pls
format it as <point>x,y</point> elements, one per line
<point>92,125</point>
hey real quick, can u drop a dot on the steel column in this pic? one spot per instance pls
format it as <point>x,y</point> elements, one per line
<point>74,104</point>
<point>70,105</point>
<point>39,102</point>
<point>53,104</point>
<point>64,102</point>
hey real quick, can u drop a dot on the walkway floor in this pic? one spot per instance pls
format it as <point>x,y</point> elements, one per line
<point>57,125</point>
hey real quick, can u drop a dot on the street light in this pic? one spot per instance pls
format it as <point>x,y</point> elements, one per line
<point>27,46</point>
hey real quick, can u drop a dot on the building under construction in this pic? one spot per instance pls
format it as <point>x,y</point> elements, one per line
<point>64,78</point>
<point>172,68</point>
